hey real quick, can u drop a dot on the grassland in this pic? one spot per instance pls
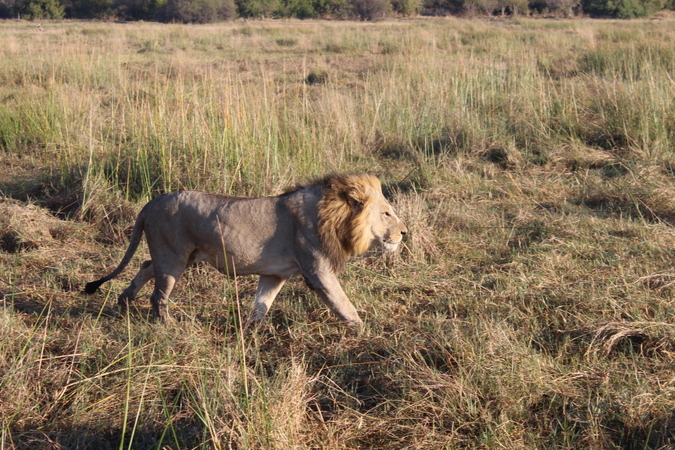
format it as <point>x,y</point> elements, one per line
<point>532,306</point>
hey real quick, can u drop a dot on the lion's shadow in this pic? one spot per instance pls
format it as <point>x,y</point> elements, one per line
<point>56,304</point>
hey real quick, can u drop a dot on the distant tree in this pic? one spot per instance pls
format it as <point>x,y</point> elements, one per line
<point>6,9</point>
<point>622,9</point>
<point>258,8</point>
<point>301,9</point>
<point>512,6</point>
<point>518,7</point>
<point>565,7</point>
<point>444,7</point>
<point>88,9</point>
<point>407,7</point>
<point>487,6</point>
<point>196,11</point>
<point>370,9</point>
<point>138,9</point>
<point>538,6</point>
<point>39,9</point>
<point>331,8</point>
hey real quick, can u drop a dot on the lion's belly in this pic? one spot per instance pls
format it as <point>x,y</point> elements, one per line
<point>283,267</point>
<point>278,267</point>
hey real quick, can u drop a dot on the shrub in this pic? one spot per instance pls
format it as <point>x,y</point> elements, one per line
<point>444,7</point>
<point>333,8</point>
<point>302,9</point>
<point>39,9</point>
<point>257,8</point>
<point>138,9</point>
<point>5,10</point>
<point>89,9</point>
<point>370,9</point>
<point>486,6</point>
<point>197,11</point>
<point>565,7</point>
<point>622,9</point>
<point>407,7</point>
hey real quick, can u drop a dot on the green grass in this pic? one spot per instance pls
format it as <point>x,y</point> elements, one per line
<point>531,306</point>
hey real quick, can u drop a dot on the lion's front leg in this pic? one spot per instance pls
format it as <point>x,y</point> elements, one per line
<point>326,284</point>
<point>268,288</point>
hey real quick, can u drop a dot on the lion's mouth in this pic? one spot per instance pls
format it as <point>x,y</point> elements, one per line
<point>389,245</point>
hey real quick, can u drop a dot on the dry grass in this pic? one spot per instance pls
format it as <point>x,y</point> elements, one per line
<point>531,305</point>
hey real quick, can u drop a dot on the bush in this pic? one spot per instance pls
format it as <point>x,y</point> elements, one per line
<point>565,7</point>
<point>257,8</point>
<point>622,9</point>
<point>333,8</point>
<point>197,11</point>
<point>302,9</point>
<point>138,9</point>
<point>444,7</point>
<point>407,7</point>
<point>5,10</point>
<point>39,9</point>
<point>88,9</point>
<point>486,6</point>
<point>370,9</point>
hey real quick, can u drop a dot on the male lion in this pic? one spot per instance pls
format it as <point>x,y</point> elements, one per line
<point>311,229</point>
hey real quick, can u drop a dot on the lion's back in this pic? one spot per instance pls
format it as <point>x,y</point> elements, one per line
<point>259,234</point>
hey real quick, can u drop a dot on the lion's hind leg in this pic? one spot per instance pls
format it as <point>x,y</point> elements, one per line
<point>145,274</point>
<point>160,296</point>
<point>166,276</point>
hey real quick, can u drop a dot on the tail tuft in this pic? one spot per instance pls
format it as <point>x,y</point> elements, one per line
<point>93,286</point>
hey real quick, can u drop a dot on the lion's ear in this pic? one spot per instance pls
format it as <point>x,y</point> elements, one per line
<point>356,198</point>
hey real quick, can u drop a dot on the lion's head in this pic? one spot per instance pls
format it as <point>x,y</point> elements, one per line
<point>353,214</point>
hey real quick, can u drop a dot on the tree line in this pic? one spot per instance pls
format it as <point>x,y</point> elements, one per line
<point>203,11</point>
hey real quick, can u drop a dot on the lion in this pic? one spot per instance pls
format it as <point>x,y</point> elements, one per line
<point>311,229</point>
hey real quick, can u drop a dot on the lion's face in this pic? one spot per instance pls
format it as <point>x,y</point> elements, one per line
<point>385,226</point>
<point>353,215</point>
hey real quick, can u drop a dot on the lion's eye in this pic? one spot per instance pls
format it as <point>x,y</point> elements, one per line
<point>387,214</point>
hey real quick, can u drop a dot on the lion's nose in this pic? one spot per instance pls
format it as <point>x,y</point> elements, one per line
<point>404,232</point>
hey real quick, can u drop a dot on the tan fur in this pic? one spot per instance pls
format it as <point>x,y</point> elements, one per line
<point>312,230</point>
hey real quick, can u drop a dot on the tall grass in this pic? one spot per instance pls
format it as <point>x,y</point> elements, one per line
<point>531,305</point>
<point>173,107</point>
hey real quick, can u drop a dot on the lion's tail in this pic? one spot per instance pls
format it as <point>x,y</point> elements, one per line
<point>136,236</point>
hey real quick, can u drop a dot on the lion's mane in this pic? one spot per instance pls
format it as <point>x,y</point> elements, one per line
<point>344,216</point>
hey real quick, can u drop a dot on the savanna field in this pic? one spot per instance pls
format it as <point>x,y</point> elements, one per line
<point>530,307</point>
